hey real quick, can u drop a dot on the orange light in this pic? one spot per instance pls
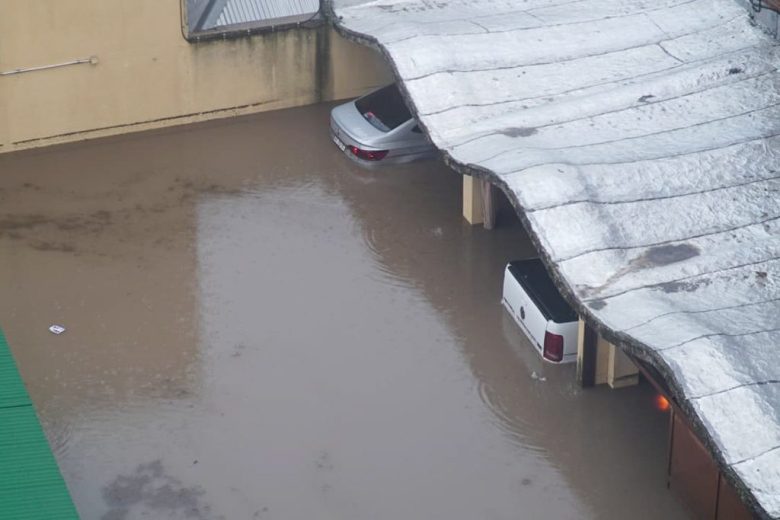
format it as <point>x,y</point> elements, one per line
<point>662,403</point>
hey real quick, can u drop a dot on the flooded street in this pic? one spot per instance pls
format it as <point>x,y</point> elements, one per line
<point>259,329</point>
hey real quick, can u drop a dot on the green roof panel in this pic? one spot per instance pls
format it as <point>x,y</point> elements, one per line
<point>31,485</point>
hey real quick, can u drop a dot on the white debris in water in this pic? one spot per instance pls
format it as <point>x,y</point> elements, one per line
<point>537,377</point>
<point>57,329</point>
<point>642,140</point>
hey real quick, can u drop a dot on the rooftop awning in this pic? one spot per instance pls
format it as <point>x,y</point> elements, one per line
<point>640,143</point>
<point>205,15</point>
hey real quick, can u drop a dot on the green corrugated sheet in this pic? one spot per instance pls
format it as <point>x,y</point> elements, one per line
<point>12,390</point>
<point>31,486</point>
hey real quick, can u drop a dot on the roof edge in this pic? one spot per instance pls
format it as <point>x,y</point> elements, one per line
<point>633,346</point>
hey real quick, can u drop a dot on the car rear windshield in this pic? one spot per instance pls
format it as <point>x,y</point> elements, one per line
<point>533,277</point>
<point>384,109</point>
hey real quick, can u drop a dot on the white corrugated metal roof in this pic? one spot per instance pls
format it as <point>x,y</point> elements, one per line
<point>640,141</point>
<point>249,11</point>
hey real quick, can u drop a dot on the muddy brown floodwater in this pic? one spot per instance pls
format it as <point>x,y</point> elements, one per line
<point>258,329</point>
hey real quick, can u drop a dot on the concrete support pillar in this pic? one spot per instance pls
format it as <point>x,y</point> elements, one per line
<point>587,352</point>
<point>592,356</point>
<point>479,202</point>
<point>600,362</point>
<point>488,204</point>
<point>472,200</point>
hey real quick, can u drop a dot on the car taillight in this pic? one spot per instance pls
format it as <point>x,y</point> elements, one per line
<point>368,155</point>
<point>553,347</point>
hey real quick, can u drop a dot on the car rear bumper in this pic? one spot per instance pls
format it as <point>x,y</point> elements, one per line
<point>344,116</point>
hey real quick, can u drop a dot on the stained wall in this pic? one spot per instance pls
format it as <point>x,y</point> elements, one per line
<point>145,74</point>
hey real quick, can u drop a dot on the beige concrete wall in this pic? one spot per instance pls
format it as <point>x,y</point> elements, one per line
<point>149,76</point>
<point>621,371</point>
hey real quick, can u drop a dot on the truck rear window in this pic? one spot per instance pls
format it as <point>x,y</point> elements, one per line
<point>533,277</point>
<point>384,109</point>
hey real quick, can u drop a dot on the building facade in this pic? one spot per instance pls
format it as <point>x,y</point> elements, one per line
<point>79,69</point>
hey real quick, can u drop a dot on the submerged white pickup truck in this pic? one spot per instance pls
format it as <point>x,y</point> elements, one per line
<point>532,299</point>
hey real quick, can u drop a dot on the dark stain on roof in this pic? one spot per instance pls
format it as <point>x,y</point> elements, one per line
<point>683,286</point>
<point>597,304</point>
<point>668,254</point>
<point>518,131</point>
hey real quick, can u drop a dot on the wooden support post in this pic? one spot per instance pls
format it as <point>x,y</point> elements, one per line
<point>488,204</point>
<point>472,200</point>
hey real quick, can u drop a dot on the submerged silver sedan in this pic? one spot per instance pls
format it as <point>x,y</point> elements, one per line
<point>378,128</point>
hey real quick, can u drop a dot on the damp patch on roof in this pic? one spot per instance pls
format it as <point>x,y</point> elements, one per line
<point>640,143</point>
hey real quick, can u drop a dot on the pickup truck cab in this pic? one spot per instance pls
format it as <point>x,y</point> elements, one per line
<point>531,298</point>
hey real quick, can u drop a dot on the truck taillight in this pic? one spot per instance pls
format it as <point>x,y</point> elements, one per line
<point>553,347</point>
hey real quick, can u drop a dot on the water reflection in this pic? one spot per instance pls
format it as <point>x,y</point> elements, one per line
<point>256,332</point>
<point>601,441</point>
